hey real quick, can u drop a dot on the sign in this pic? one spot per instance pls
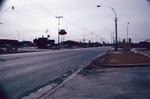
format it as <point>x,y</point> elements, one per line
<point>62,32</point>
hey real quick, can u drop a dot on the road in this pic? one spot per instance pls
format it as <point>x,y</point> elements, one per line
<point>144,51</point>
<point>21,73</point>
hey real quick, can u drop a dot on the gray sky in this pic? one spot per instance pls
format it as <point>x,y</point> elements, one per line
<point>31,18</point>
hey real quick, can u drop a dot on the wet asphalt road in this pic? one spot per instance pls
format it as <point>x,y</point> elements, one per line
<point>21,73</point>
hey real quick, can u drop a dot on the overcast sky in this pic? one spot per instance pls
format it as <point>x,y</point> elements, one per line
<point>81,18</point>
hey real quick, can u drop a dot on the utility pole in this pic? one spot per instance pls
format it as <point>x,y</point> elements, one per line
<point>59,17</point>
<point>116,33</point>
<point>84,35</point>
<point>128,32</point>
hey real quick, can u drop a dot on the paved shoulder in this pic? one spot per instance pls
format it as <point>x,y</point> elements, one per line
<point>113,83</point>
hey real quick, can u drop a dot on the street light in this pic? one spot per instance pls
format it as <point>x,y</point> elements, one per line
<point>116,30</point>
<point>59,17</point>
<point>128,32</point>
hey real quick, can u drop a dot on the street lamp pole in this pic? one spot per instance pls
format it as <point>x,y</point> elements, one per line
<point>59,17</point>
<point>116,25</point>
<point>128,32</point>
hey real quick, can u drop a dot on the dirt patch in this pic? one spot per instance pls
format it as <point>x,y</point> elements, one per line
<point>120,59</point>
<point>126,58</point>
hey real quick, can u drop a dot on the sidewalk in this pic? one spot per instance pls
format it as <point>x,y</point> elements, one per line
<point>109,83</point>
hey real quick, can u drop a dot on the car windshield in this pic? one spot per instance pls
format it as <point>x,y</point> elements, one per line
<point>74,49</point>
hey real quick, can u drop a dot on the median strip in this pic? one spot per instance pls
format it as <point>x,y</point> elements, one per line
<point>122,59</point>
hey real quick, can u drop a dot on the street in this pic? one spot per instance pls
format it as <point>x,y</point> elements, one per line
<point>144,51</point>
<point>22,73</point>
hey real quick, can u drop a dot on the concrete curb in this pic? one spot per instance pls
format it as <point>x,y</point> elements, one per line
<point>126,65</point>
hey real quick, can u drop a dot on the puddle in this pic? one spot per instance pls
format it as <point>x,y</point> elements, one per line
<point>2,60</point>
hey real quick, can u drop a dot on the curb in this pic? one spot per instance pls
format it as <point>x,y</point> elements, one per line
<point>126,65</point>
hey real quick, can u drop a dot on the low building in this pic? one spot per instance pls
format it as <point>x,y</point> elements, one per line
<point>9,45</point>
<point>44,43</point>
<point>70,44</point>
<point>25,44</point>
